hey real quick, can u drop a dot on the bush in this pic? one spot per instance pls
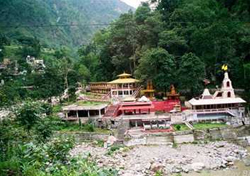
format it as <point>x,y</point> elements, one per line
<point>178,127</point>
<point>29,114</point>
<point>89,127</point>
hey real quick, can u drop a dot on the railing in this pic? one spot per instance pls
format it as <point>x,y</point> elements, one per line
<point>107,96</point>
<point>137,91</point>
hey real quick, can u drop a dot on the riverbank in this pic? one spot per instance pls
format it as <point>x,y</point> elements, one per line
<point>147,160</point>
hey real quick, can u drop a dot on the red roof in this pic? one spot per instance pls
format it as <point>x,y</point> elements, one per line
<point>136,106</point>
<point>167,105</point>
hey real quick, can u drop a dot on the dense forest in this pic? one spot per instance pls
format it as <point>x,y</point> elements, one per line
<point>179,42</point>
<point>182,42</point>
<point>52,31</point>
<point>57,22</point>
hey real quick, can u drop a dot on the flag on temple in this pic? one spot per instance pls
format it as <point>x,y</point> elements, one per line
<point>224,67</point>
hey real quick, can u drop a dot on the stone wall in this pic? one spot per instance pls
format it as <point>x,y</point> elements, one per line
<point>83,136</point>
<point>227,134</point>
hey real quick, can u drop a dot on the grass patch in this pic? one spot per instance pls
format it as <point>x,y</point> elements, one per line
<point>200,126</point>
<point>114,148</point>
<point>88,103</point>
<point>83,128</point>
<point>180,127</point>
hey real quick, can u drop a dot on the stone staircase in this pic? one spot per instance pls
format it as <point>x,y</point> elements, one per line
<point>189,125</point>
<point>122,128</point>
<point>111,111</point>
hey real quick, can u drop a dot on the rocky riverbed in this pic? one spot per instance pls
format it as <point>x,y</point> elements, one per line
<point>147,160</point>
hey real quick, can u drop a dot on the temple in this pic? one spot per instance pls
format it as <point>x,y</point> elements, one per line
<point>99,87</point>
<point>125,87</point>
<point>149,92</point>
<point>173,95</point>
<point>222,104</point>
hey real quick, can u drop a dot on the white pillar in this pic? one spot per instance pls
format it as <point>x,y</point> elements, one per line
<point>77,114</point>
<point>88,114</point>
<point>100,114</point>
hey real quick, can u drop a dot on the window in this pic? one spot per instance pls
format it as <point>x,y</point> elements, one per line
<point>228,84</point>
<point>229,94</point>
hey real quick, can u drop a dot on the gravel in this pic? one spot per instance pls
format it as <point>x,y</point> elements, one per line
<point>146,160</point>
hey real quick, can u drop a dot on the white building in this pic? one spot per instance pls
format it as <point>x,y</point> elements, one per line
<point>222,104</point>
<point>125,87</point>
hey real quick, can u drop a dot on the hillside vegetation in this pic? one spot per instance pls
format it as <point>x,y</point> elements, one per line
<point>182,42</point>
<point>57,22</point>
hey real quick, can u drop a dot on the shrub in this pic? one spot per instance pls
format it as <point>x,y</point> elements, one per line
<point>29,114</point>
<point>90,127</point>
<point>178,127</point>
<point>43,130</point>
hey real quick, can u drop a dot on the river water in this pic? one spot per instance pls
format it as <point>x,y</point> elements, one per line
<point>241,170</point>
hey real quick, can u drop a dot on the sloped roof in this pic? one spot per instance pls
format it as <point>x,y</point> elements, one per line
<point>196,102</point>
<point>206,94</point>
<point>124,81</point>
<point>124,75</point>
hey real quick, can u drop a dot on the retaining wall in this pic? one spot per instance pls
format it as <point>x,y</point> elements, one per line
<point>225,133</point>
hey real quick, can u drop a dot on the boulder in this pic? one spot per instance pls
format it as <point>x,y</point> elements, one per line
<point>246,161</point>
<point>156,167</point>
<point>197,166</point>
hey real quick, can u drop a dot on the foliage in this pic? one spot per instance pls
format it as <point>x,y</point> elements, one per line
<point>29,114</point>
<point>157,65</point>
<point>114,148</point>
<point>159,173</point>
<point>23,153</point>
<point>178,127</point>
<point>197,38</point>
<point>26,18</point>
<point>191,73</point>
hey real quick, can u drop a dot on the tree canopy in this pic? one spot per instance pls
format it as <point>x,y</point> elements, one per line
<point>189,39</point>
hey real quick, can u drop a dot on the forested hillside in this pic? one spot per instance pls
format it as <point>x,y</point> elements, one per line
<point>182,42</point>
<point>57,22</point>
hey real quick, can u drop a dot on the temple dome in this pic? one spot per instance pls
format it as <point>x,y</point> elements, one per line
<point>206,94</point>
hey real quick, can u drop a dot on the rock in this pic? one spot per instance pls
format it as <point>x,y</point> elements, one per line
<point>219,145</point>
<point>230,158</point>
<point>124,155</point>
<point>197,166</point>
<point>156,167</point>
<point>186,169</point>
<point>246,161</point>
<point>176,169</point>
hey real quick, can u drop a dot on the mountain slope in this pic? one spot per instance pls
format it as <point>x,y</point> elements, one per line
<point>57,22</point>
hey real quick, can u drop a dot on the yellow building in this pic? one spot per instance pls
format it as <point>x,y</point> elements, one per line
<point>125,86</point>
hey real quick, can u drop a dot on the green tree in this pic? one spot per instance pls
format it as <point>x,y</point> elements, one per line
<point>172,42</point>
<point>191,73</point>
<point>159,66</point>
<point>29,114</point>
<point>30,46</point>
